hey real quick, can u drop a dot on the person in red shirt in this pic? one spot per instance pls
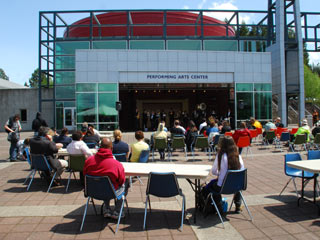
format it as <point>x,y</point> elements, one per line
<point>243,131</point>
<point>104,164</point>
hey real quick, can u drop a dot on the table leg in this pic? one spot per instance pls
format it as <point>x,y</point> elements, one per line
<point>302,189</point>
<point>196,188</point>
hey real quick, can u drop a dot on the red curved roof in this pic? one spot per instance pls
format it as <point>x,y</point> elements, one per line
<point>148,18</point>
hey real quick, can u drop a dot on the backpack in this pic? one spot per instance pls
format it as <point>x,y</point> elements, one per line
<point>10,124</point>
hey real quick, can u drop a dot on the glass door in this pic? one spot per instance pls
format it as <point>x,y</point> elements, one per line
<point>69,118</point>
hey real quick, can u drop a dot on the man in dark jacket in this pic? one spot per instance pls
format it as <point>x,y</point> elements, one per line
<point>37,123</point>
<point>104,164</point>
<point>43,144</point>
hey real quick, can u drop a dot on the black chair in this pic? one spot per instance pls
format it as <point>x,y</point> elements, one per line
<point>163,185</point>
<point>40,163</point>
<point>234,181</point>
<point>101,188</point>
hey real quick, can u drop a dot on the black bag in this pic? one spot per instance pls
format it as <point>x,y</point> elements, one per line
<point>13,137</point>
<point>205,206</point>
<point>9,125</point>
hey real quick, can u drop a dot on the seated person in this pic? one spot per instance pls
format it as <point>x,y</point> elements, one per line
<point>138,147</point>
<point>63,138</point>
<point>91,139</point>
<point>304,129</point>
<point>269,125</point>
<point>95,131</point>
<point>241,132</point>
<point>191,135</point>
<point>225,127</point>
<point>177,129</point>
<point>202,126</point>
<point>227,158</point>
<point>104,164</point>
<point>316,129</point>
<point>77,146</point>
<point>255,123</point>
<point>120,146</point>
<point>43,144</point>
<point>212,128</point>
<point>160,133</point>
<point>278,122</point>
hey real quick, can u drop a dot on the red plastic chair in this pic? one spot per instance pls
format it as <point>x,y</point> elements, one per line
<point>244,142</point>
<point>293,130</point>
<point>253,133</point>
<point>228,134</point>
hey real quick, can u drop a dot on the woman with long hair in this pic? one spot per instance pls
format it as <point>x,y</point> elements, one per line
<point>160,133</point>
<point>228,158</point>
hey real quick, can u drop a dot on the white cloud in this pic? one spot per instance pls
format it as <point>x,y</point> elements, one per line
<point>200,5</point>
<point>226,5</point>
<point>314,58</point>
<point>186,7</point>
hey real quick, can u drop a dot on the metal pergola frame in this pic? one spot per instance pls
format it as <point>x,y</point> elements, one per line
<point>52,22</point>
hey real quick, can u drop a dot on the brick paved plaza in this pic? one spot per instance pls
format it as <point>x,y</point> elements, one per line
<point>57,215</point>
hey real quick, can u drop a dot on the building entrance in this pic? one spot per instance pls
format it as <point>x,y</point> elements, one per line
<point>184,101</point>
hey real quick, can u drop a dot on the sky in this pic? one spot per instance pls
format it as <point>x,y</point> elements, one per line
<point>19,20</point>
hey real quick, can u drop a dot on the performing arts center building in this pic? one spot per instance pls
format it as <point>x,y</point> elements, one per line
<point>169,60</point>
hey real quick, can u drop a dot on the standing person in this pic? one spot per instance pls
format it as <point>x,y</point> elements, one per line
<point>104,164</point>
<point>13,128</point>
<point>37,123</point>
<point>227,158</point>
<point>315,117</point>
<point>145,120</point>
<point>153,120</point>
<point>171,118</point>
<point>137,120</point>
<point>138,147</point>
<point>120,146</point>
<point>43,144</point>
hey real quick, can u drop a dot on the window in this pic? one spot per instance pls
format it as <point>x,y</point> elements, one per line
<point>23,115</point>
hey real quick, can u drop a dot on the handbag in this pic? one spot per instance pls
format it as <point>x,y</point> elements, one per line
<point>13,137</point>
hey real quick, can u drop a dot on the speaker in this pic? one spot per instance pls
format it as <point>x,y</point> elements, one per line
<point>118,106</point>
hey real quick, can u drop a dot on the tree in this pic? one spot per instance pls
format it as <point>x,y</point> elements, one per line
<point>34,80</point>
<point>244,30</point>
<point>3,75</point>
<point>311,85</point>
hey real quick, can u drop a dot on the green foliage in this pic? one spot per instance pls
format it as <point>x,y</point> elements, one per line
<point>34,80</point>
<point>244,30</point>
<point>311,85</point>
<point>3,75</point>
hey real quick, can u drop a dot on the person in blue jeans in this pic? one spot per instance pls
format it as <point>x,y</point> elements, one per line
<point>13,128</point>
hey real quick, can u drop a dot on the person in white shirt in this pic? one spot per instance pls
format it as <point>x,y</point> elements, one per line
<point>203,124</point>
<point>95,131</point>
<point>228,158</point>
<point>77,146</point>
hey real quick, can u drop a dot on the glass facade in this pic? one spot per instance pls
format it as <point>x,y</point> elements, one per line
<point>96,104</point>
<point>184,45</point>
<point>220,45</point>
<point>253,100</point>
<point>144,44</point>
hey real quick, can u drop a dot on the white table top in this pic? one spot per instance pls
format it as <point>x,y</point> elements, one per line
<point>192,171</point>
<point>306,165</point>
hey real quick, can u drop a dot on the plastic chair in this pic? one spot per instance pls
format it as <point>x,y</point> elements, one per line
<point>178,143</point>
<point>143,158</point>
<point>76,164</point>
<point>228,134</point>
<point>234,181</point>
<point>293,172</point>
<point>253,133</point>
<point>215,142</point>
<point>91,145</point>
<point>29,161</point>
<point>201,142</point>
<point>294,130</point>
<point>316,141</point>
<point>284,137</point>
<point>121,157</point>
<point>40,163</point>
<point>159,144</point>
<point>155,187</point>
<point>300,139</point>
<point>101,188</point>
<point>244,142</point>
<point>270,135</point>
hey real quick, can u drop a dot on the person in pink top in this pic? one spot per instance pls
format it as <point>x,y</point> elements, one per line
<point>104,164</point>
<point>241,132</point>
